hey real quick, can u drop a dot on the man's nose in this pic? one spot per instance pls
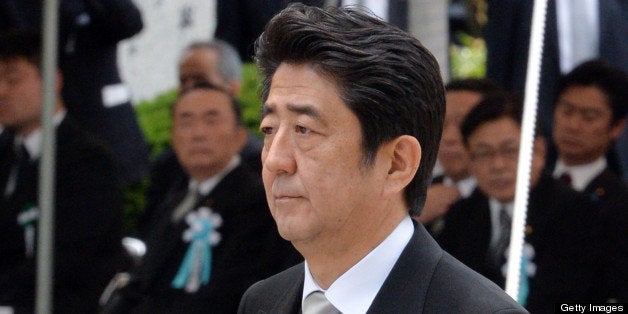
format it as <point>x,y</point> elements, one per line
<point>4,87</point>
<point>199,130</point>
<point>573,123</point>
<point>278,154</point>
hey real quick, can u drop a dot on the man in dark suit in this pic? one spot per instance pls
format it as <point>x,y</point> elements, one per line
<point>590,114</point>
<point>217,63</point>
<point>559,229</point>
<point>87,199</point>
<point>599,32</point>
<point>240,22</point>
<point>93,93</point>
<point>213,235</point>
<point>456,182</point>
<point>351,136</point>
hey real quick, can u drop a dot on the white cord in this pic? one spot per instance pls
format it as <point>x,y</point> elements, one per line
<point>525,152</point>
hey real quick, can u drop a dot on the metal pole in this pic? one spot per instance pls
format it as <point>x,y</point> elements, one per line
<point>45,241</point>
<point>525,152</point>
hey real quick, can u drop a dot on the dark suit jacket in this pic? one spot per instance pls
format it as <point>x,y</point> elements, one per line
<point>240,22</point>
<point>507,42</point>
<point>560,228</point>
<point>250,249</point>
<point>166,170</point>
<point>508,39</point>
<point>88,227</point>
<point>611,196</point>
<point>425,279</point>
<point>89,31</point>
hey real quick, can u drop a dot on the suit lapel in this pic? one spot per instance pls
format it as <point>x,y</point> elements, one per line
<point>290,300</point>
<point>166,236</point>
<point>407,284</point>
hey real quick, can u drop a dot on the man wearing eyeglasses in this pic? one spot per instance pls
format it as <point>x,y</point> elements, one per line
<point>557,253</point>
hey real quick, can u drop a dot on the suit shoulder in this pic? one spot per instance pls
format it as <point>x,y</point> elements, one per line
<point>606,186</point>
<point>455,288</point>
<point>279,282</point>
<point>268,293</point>
<point>77,145</point>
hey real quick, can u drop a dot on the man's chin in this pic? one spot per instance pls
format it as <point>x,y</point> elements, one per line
<point>291,230</point>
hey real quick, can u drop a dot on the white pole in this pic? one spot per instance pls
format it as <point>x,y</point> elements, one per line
<point>45,240</point>
<point>525,153</point>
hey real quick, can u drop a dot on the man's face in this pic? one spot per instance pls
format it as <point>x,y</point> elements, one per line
<point>20,95</point>
<point>452,154</point>
<point>200,65</point>
<point>494,149</point>
<point>205,134</point>
<point>318,190</point>
<point>582,125</point>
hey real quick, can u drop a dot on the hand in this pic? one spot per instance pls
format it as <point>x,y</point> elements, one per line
<point>439,198</point>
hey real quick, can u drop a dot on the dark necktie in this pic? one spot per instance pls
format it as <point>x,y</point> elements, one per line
<point>499,249</point>
<point>187,204</point>
<point>20,164</point>
<point>565,177</point>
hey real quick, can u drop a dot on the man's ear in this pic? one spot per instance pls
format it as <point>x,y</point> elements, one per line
<point>617,128</point>
<point>540,146</point>
<point>59,83</point>
<point>241,137</point>
<point>234,87</point>
<point>405,156</point>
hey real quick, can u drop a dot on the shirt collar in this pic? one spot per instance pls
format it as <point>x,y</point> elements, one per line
<point>581,175</point>
<point>32,142</point>
<point>205,187</point>
<point>355,290</point>
<point>465,186</point>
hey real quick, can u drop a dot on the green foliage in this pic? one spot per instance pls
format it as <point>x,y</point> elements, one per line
<point>469,59</point>
<point>156,123</point>
<point>134,197</point>
<point>155,120</point>
<point>249,97</point>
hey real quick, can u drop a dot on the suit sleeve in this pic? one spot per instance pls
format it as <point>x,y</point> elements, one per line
<point>447,238</point>
<point>500,37</point>
<point>89,229</point>
<point>115,20</point>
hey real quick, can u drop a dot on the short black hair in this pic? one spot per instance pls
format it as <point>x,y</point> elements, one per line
<point>385,76</point>
<point>207,86</point>
<point>21,43</point>
<point>612,81</point>
<point>479,85</point>
<point>491,108</point>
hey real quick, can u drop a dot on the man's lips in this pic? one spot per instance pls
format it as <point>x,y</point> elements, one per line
<point>501,183</point>
<point>285,197</point>
<point>569,141</point>
<point>198,150</point>
<point>450,154</point>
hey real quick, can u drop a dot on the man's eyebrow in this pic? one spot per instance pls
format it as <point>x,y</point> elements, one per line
<point>307,110</point>
<point>301,109</point>
<point>267,109</point>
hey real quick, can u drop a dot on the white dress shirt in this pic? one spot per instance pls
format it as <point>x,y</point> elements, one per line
<point>581,175</point>
<point>32,142</point>
<point>205,187</point>
<point>578,25</point>
<point>355,290</point>
<point>465,186</point>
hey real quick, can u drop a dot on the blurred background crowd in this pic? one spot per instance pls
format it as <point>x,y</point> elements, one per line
<point>133,76</point>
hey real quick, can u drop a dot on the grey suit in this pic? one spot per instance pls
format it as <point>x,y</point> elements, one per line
<point>425,279</point>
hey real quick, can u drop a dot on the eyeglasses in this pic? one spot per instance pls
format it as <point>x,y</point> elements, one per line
<point>509,153</point>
